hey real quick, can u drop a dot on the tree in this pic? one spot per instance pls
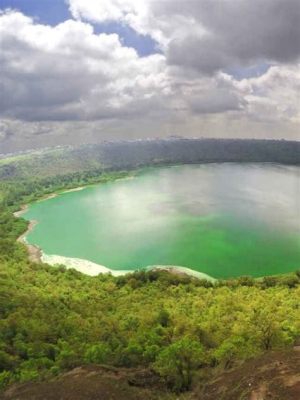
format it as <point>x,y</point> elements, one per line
<point>177,362</point>
<point>98,353</point>
<point>163,317</point>
<point>232,349</point>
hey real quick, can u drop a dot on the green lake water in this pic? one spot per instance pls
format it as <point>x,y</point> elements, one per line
<point>225,220</point>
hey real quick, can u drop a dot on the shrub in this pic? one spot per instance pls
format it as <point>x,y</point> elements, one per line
<point>98,353</point>
<point>177,362</point>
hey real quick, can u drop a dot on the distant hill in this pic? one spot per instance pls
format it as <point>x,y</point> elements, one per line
<point>132,154</point>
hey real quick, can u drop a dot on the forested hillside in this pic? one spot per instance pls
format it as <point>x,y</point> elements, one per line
<point>53,319</point>
<point>130,155</point>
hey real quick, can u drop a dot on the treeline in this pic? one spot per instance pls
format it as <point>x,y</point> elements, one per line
<point>13,192</point>
<point>133,154</point>
<point>53,319</point>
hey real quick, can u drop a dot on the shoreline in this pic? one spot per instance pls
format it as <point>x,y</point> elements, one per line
<point>34,252</point>
<point>79,264</point>
<point>179,270</point>
<point>23,209</point>
<point>77,189</point>
<point>93,269</point>
<point>55,194</point>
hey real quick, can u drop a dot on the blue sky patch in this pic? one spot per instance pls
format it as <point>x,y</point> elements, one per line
<point>50,12</point>
<point>143,44</point>
<point>53,12</point>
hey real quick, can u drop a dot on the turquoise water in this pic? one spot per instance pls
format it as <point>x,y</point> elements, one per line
<point>225,220</point>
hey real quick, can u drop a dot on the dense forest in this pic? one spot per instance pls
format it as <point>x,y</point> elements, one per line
<point>133,154</point>
<point>54,319</point>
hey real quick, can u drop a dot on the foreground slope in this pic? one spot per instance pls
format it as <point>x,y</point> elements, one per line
<point>272,376</point>
<point>53,320</point>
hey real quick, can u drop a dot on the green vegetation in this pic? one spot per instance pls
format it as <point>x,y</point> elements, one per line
<point>53,319</point>
<point>162,217</point>
<point>134,154</point>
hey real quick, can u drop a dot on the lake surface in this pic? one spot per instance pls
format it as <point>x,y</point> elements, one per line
<point>225,220</point>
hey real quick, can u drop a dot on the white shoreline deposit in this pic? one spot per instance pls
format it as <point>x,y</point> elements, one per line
<point>90,268</point>
<point>181,270</point>
<point>22,210</point>
<point>77,189</point>
<point>85,266</point>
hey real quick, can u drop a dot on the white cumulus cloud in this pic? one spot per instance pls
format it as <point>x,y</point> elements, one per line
<point>65,83</point>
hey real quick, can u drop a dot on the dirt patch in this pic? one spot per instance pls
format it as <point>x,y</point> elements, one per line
<point>273,376</point>
<point>259,393</point>
<point>91,383</point>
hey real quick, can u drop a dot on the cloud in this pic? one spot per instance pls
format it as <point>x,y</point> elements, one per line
<point>239,33</point>
<point>69,73</point>
<point>208,35</point>
<point>65,83</point>
<point>274,96</point>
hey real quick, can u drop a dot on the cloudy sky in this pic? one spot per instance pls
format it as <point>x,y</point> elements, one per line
<point>80,71</point>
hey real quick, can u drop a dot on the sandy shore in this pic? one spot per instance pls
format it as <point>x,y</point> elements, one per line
<point>84,266</point>
<point>49,196</point>
<point>34,252</point>
<point>74,190</point>
<point>22,210</point>
<point>87,267</point>
<point>93,269</point>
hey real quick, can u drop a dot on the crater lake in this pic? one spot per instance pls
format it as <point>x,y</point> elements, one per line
<point>224,220</point>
